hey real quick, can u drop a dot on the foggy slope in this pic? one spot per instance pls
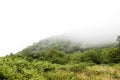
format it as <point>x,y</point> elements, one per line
<point>70,44</point>
<point>63,45</point>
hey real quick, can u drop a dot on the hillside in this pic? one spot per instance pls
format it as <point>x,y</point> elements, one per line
<point>62,60</point>
<point>63,45</point>
<point>66,45</point>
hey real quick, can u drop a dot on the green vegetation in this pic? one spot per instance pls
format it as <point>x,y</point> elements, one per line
<point>58,63</point>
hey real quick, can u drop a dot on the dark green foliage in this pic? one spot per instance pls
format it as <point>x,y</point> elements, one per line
<point>110,55</point>
<point>92,55</point>
<point>98,56</point>
<point>56,56</point>
<point>63,45</point>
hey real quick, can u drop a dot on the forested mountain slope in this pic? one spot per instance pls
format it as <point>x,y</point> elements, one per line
<point>62,60</point>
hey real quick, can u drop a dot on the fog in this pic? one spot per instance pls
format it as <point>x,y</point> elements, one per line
<point>89,39</point>
<point>24,22</point>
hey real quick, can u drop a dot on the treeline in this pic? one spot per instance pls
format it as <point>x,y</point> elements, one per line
<point>53,55</point>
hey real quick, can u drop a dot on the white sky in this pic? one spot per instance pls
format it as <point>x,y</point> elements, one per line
<point>23,22</point>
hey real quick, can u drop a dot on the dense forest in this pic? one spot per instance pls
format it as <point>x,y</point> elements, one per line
<point>62,60</point>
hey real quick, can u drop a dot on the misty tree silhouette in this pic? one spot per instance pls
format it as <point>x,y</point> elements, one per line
<point>118,39</point>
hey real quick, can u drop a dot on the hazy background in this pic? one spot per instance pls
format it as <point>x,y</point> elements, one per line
<point>23,22</point>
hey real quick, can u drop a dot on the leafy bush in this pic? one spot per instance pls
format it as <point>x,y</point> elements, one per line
<point>110,55</point>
